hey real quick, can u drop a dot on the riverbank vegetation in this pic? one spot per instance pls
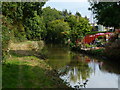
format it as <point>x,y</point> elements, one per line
<point>26,68</point>
<point>23,24</point>
<point>29,72</point>
<point>103,46</point>
<point>37,23</point>
<point>104,16</point>
<point>24,27</point>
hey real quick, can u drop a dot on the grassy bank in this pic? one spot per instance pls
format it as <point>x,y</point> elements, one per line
<point>23,69</point>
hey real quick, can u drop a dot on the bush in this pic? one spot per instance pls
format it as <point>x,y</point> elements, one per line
<point>112,50</point>
<point>35,28</point>
<point>6,35</point>
<point>57,31</point>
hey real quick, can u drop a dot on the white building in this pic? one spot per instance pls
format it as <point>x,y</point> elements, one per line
<point>101,28</point>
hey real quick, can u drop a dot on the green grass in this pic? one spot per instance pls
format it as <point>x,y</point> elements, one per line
<point>28,72</point>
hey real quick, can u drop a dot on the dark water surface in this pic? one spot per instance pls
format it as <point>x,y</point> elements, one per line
<point>82,71</point>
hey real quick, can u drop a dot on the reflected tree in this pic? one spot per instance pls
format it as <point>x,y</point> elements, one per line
<point>77,71</point>
<point>111,67</point>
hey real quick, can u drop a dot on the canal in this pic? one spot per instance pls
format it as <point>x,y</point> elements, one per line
<point>81,71</point>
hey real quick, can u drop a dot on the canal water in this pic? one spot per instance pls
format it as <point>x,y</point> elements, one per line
<point>81,71</point>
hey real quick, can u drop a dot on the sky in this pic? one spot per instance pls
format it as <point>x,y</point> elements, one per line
<point>71,5</point>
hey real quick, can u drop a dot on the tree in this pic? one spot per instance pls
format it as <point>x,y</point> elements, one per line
<point>21,20</point>
<point>29,8</point>
<point>107,13</point>
<point>79,26</point>
<point>66,13</point>
<point>50,15</point>
<point>55,31</point>
<point>34,27</point>
<point>78,14</point>
<point>25,18</point>
<point>33,21</point>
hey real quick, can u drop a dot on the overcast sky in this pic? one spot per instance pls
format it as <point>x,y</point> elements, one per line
<point>71,5</point>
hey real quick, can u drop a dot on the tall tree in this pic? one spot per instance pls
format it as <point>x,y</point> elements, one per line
<point>106,13</point>
<point>55,30</point>
<point>66,13</point>
<point>77,14</point>
<point>50,14</point>
<point>33,21</point>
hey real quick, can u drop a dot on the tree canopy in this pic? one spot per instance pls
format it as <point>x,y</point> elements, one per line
<point>106,13</point>
<point>29,21</point>
<point>50,14</point>
<point>55,30</point>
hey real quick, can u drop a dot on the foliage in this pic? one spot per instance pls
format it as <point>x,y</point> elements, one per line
<point>56,31</point>
<point>112,48</point>
<point>12,10</point>
<point>24,16</point>
<point>28,21</point>
<point>14,14</point>
<point>33,22</point>
<point>34,27</point>
<point>65,13</point>
<point>50,14</point>
<point>7,34</point>
<point>107,13</point>
<point>79,26</point>
<point>5,41</point>
<point>31,7</point>
<point>84,25</point>
<point>77,14</point>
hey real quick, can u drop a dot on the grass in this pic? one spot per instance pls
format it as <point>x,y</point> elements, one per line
<point>29,72</point>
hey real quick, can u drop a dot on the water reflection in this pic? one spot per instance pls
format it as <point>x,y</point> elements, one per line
<point>80,71</point>
<point>111,67</point>
<point>76,71</point>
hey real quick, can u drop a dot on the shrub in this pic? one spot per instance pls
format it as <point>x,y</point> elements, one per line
<point>6,35</point>
<point>57,31</point>
<point>112,48</point>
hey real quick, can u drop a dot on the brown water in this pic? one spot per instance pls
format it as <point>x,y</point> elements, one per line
<point>82,71</point>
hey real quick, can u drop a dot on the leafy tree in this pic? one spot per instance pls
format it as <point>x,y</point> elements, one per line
<point>79,26</point>
<point>78,14</point>
<point>34,27</point>
<point>106,13</point>
<point>22,12</point>
<point>21,20</point>
<point>72,20</point>
<point>7,35</point>
<point>50,14</point>
<point>66,13</point>
<point>84,25</point>
<point>30,7</point>
<point>33,21</point>
<point>55,31</point>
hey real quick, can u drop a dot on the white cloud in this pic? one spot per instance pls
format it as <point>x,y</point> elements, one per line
<point>67,0</point>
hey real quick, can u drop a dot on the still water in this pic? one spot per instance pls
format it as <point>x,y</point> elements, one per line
<point>82,71</point>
